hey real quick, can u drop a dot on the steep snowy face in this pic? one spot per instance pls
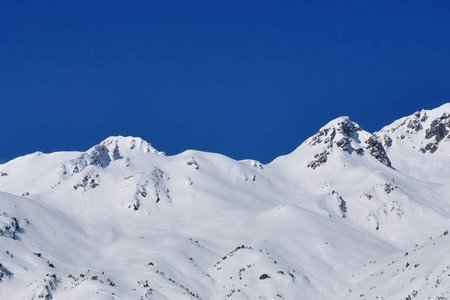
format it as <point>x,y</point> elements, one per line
<point>425,132</point>
<point>343,137</point>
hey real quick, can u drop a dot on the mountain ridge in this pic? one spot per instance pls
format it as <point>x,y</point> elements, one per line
<point>145,146</point>
<point>122,220</point>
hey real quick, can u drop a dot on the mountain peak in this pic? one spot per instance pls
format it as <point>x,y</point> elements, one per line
<point>342,127</point>
<point>347,136</point>
<point>339,122</point>
<point>128,144</point>
<point>111,149</point>
<point>425,131</point>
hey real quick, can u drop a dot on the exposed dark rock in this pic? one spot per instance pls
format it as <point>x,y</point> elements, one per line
<point>387,141</point>
<point>10,226</point>
<point>437,130</point>
<point>349,131</point>
<point>140,194</point>
<point>415,124</point>
<point>193,162</point>
<point>321,135</point>
<point>430,147</point>
<point>257,164</point>
<point>89,181</point>
<point>347,127</point>
<point>51,283</point>
<point>344,144</point>
<point>116,153</point>
<point>342,136</point>
<point>319,159</point>
<point>342,204</point>
<point>388,187</point>
<point>100,156</point>
<point>343,207</point>
<point>377,150</point>
<point>4,272</point>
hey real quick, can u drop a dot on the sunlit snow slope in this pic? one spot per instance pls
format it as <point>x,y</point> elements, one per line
<point>348,215</point>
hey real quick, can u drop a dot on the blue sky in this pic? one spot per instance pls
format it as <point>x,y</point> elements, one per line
<point>249,79</point>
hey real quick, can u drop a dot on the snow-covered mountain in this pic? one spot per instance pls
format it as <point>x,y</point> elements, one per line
<point>347,215</point>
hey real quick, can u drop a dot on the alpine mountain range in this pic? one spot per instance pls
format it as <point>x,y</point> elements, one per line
<point>349,214</point>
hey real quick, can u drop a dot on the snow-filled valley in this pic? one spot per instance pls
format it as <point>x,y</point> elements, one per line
<point>347,215</point>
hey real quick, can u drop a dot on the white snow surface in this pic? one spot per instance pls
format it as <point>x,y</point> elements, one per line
<point>347,215</point>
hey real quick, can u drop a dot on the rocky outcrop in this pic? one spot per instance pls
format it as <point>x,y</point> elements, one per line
<point>437,132</point>
<point>10,226</point>
<point>109,150</point>
<point>319,159</point>
<point>347,136</point>
<point>4,272</point>
<point>340,135</point>
<point>89,181</point>
<point>49,285</point>
<point>377,150</point>
<point>423,131</point>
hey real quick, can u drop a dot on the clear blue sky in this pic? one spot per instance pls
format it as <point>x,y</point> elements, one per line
<point>249,79</point>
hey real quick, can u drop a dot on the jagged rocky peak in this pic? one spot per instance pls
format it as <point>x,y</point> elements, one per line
<point>120,146</point>
<point>111,149</point>
<point>437,132</point>
<point>424,130</point>
<point>339,132</point>
<point>347,136</point>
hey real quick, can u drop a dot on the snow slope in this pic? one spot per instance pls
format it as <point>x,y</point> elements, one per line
<point>331,220</point>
